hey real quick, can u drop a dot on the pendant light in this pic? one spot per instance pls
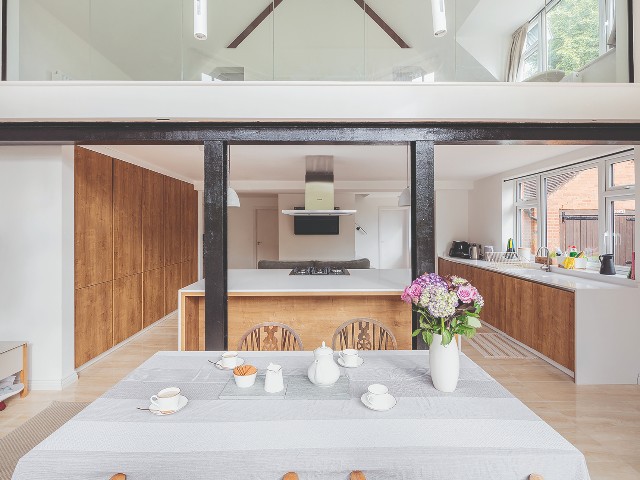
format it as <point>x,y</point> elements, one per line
<point>439,18</point>
<point>200,19</point>
<point>232,196</point>
<point>404,200</point>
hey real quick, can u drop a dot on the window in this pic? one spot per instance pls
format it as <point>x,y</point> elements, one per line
<point>532,60</point>
<point>572,210</point>
<point>528,228</point>
<point>567,35</point>
<point>527,214</point>
<point>591,206</point>
<point>622,226</point>
<point>619,235</point>
<point>572,44</point>
<point>622,174</point>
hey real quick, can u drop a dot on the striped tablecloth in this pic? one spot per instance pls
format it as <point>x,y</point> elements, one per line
<point>478,432</point>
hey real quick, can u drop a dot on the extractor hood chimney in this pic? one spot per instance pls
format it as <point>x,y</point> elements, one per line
<point>319,189</point>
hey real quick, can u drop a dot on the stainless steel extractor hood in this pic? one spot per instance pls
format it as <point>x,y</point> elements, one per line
<point>319,189</point>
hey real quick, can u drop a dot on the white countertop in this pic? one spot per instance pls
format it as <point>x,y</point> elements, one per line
<point>279,281</point>
<point>553,278</point>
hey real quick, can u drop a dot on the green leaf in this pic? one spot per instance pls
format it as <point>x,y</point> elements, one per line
<point>416,332</point>
<point>474,322</point>
<point>427,337</point>
<point>446,337</point>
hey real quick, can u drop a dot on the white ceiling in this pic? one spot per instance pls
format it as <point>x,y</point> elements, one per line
<point>360,168</point>
<point>473,162</point>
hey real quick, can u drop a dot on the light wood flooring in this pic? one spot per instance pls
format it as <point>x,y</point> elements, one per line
<point>602,421</point>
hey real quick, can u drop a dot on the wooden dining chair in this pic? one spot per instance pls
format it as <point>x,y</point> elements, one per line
<point>364,334</point>
<point>270,336</point>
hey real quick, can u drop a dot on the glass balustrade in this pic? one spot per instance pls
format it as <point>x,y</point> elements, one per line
<point>319,40</point>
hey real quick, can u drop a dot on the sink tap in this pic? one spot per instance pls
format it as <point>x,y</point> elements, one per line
<point>546,267</point>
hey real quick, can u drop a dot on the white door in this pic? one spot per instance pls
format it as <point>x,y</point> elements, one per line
<point>266,234</point>
<point>393,237</point>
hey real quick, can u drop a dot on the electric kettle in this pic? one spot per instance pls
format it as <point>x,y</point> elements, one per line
<point>606,264</point>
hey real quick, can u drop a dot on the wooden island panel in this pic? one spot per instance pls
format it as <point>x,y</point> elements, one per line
<point>315,318</point>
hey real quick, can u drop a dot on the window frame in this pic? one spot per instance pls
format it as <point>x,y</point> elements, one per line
<point>522,204</point>
<point>607,194</point>
<point>607,13</point>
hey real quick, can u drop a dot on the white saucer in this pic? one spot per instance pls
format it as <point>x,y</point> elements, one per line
<point>181,404</point>
<point>341,363</point>
<point>391,403</point>
<point>218,364</point>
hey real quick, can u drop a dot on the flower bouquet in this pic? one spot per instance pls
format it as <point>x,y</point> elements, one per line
<point>446,307</point>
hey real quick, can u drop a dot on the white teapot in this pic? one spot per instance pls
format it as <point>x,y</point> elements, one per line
<point>324,371</point>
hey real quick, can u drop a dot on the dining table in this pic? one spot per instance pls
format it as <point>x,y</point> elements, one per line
<point>480,431</point>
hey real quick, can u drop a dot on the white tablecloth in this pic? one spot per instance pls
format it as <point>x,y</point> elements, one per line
<point>478,432</point>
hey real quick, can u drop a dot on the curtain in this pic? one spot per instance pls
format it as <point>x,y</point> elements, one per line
<point>514,61</point>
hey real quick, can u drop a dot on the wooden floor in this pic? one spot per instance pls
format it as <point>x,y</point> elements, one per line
<point>602,421</point>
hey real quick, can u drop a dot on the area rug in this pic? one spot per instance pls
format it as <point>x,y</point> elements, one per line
<point>16,444</point>
<point>494,345</point>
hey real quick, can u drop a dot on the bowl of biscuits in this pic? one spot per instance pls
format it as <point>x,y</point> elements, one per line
<point>245,375</point>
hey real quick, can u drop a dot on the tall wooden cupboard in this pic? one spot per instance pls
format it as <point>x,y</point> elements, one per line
<point>136,235</point>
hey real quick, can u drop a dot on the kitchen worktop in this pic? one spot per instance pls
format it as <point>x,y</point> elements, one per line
<point>276,281</point>
<point>552,279</point>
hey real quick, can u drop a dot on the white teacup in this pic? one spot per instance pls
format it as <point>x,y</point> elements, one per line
<point>229,359</point>
<point>167,399</point>
<point>349,357</point>
<point>377,394</point>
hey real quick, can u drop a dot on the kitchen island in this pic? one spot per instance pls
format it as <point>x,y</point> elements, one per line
<point>313,305</point>
<point>583,326</point>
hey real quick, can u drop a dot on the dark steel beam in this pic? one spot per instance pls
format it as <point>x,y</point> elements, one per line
<point>113,133</point>
<point>423,248</point>
<point>215,245</point>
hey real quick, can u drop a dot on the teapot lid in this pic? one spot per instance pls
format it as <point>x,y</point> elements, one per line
<point>323,350</point>
<point>272,367</point>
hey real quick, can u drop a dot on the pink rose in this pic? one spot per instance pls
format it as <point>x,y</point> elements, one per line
<point>467,293</point>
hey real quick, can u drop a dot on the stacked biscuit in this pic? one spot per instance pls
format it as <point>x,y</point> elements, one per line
<point>244,370</point>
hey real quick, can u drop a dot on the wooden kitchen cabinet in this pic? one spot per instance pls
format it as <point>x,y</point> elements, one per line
<point>93,321</point>
<point>153,220</point>
<point>172,222</point>
<point>127,307</point>
<point>172,283</point>
<point>93,218</point>
<point>136,242</point>
<point>127,219</point>
<point>153,296</point>
<point>537,315</point>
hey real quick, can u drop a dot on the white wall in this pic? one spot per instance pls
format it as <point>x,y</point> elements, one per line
<point>316,247</point>
<point>241,230</point>
<point>490,218</point>
<point>367,245</point>
<point>36,254</point>
<point>46,45</point>
<point>603,69</point>
<point>452,218</point>
<point>277,101</point>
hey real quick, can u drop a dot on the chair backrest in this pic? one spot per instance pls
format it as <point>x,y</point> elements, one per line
<point>270,336</point>
<point>364,334</point>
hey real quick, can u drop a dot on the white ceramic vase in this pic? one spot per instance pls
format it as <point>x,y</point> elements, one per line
<point>444,362</point>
